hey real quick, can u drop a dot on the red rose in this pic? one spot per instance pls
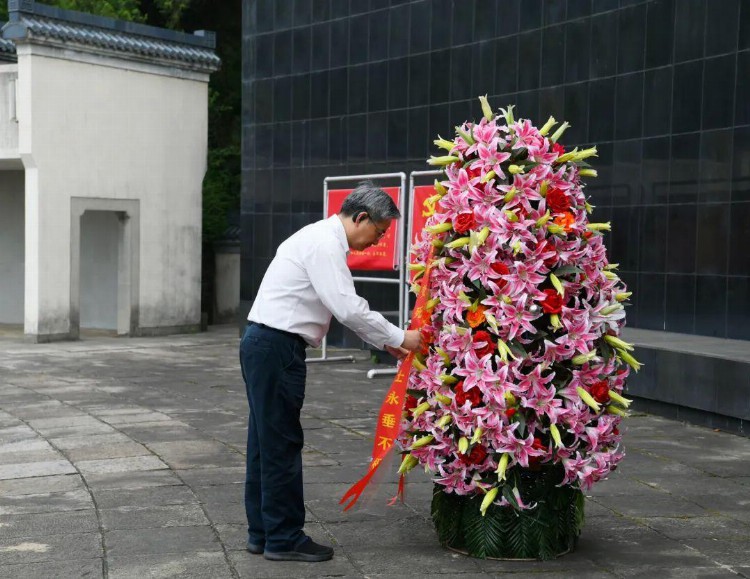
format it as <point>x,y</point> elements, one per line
<point>558,148</point>
<point>473,171</point>
<point>502,269</point>
<point>600,391</point>
<point>557,201</point>
<point>474,396</point>
<point>509,412</point>
<point>553,302</point>
<point>482,336</point>
<point>464,222</point>
<point>538,444</point>
<point>410,403</point>
<point>547,247</point>
<point>475,456</point>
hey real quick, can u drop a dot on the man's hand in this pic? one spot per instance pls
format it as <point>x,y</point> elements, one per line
<point>398,353</point>
<point>412,340</point>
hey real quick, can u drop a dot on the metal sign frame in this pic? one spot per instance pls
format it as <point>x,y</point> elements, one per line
<point>400,266</point>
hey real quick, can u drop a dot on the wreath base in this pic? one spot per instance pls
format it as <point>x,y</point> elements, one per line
<point>547,531</point>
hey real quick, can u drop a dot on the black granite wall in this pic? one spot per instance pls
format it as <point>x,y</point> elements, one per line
<point>662,87</point>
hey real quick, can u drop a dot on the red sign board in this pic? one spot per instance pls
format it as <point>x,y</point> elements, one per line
<point>383,255</point>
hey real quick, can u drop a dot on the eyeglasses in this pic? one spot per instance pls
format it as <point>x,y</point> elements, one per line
<point>381,232</point>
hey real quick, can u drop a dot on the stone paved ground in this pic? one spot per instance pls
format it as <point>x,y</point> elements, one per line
<point>124,458</point>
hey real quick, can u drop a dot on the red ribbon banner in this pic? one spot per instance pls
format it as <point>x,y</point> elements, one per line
<point>389,418</point>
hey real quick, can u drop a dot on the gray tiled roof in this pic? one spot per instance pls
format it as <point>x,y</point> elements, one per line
<point>7,48</point>
<point>53,24</point>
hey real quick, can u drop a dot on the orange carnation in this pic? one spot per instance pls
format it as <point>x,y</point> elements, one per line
<point>566,220</point>
<point>476,317</point>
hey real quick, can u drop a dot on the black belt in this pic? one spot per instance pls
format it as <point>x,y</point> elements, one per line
<point>284,332</point>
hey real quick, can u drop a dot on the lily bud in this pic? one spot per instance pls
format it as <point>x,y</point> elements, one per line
<point>486,108</point>
<point>491,321</point>
<point>553,228</point>
<point>555,433</point>
<point>489,498</point>
<point>443,399</point>
<point>556,284</point>
<point>618,343</point>
<point>415,288</point>
<point>488,176</point>
<point>421,409</point>
<point>408,463</point>
<point>465,135</point>
<point>459,242</point>
<point>510,399</point>
<point>463,445</point>
<point>448,379</point>
<point>508,114</point>
<point>463,297</point>
<point>515,169</point>
<point>589,207</point>
<point>416,267</point>
<point>430,304</point>
<point>424,441</point>
<point>622,296</point>
<point>439,188</point>
<point>551,122</point>
<point>443,354</point>
<point>610,275</point>
<point>599,226</point>
<point>621,400</point>
<point>588,173</point>
<point>477,435</point>
<point>555,321</point>
<point>506,299</point>
<point>442,161</point>
<point>510,195</point>
<point>629,360</point>
<point>612,409</point>
<point>444,143</point>
<point>586,153</point>
<point>543,219</point>
<point>503,350</point>
<point>516,245</point>
<point>510,216</point>
<point>581,359</point>
<point>588,399</point>
<point>567,156</point>
<point>543,188</point>
<point>439,227</point>
<point>437,243</point>
<point>502,466</point>
<point>611,266</point>
<point>610,309</point>
<point>444,421</point>
<point>560,130</point>
<point>417,363</point>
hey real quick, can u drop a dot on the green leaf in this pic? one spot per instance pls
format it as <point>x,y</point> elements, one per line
<point>484,535</point>
<point>567,270</point>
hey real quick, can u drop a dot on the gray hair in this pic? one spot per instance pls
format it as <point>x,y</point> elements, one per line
<point>370,199</point>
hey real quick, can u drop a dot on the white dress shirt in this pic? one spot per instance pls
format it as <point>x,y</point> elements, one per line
<point>309,280</point>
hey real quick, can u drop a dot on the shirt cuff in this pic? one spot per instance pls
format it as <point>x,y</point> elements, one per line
<point>396,338</point>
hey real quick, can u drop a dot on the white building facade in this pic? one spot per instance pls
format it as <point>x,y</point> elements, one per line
<point>103,142</point>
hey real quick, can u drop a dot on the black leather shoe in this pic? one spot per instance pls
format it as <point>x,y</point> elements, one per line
<point>307,552</point>
<point>255,548</point>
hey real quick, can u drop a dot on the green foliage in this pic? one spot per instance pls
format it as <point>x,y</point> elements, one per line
<point>548,530</point>
<point>120,9</point>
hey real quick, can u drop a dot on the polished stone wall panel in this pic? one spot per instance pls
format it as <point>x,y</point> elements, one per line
<point>662,87</point>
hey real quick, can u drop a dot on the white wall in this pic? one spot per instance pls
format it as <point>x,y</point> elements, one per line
<point>99,127</point>
<point>227,284</point>
<point>11,246</point>
<point>98,276</point>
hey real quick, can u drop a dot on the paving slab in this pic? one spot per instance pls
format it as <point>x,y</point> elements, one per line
<point>150,436</point>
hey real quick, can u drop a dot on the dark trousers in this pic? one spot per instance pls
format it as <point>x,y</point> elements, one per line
<point>274,370</point>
